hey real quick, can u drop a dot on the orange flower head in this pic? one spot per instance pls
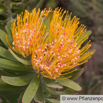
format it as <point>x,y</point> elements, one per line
<point>59,50</point>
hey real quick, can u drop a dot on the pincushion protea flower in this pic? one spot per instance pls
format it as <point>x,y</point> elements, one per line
<point>60,51</point>
<point>43,48</point>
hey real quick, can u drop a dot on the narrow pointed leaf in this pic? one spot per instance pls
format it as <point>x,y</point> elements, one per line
<point>70,84</point>
<point>4,86</point>
<point>31,90</point>
<point>75,74</point>
<point>68,17</point>
<point>83,36</point>
<point>39,97</point>
<point>10,65</point>
<point>20,59</point>
<point>54,92</point>
<point>46,22</point>
<point>3,36</point>
<point>50,16</point>
<point>51,83</point>
<point>17,81</point>
<point>6,54</point>
<point>8,28</point>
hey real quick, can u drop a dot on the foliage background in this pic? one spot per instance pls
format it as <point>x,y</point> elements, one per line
<point>90,13</point>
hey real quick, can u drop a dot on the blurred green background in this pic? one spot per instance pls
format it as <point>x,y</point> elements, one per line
<point>90,13</point>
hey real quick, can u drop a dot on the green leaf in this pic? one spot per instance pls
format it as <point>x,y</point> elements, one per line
<point>17,81</point>
<point>50,16</point>
<point>87,34</point>
<point>53,100</point>
<point>70,84</point>
<point>39,94</point>
<point>3,36</point>
<point>20,59</point>
<point>31,90</point>
<point>46,22</point>
<point>85,54</point>
<point>4,87</point>
<point>8,28</point>
<point>68,17</point>
<point>6,54</point>
<point>51,83</point>
<point>69,91</point>
<point>74,75</point>
<point>54,92</point>
<point>7,64</point>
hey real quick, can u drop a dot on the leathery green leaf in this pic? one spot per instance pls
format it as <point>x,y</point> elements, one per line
<point>87,34</point>
<point>6,54</point>
<point>74,75</point>
<point>62,91</point>
<point>50,16</point>
<point>46,23</point>
<point>4,37</point>
<point>17,81</point>
<point>39,97</point>
<point>4,86</point>
<point>51,83</point>
<point>54,92</point>
<point>8,28</point>
<point>11,65</point>
<point>20,59</point>
<point>31,90</point>
<point>70,84</point>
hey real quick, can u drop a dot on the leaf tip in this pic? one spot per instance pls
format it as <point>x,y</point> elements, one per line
<point>90,31</point>
<point>2,79</point>
<point>9,49</point>
<point>85,67</point>
<point>79,90</point>
<point>95,50</point>
<point>60,88</point>
<point>8,21</point>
